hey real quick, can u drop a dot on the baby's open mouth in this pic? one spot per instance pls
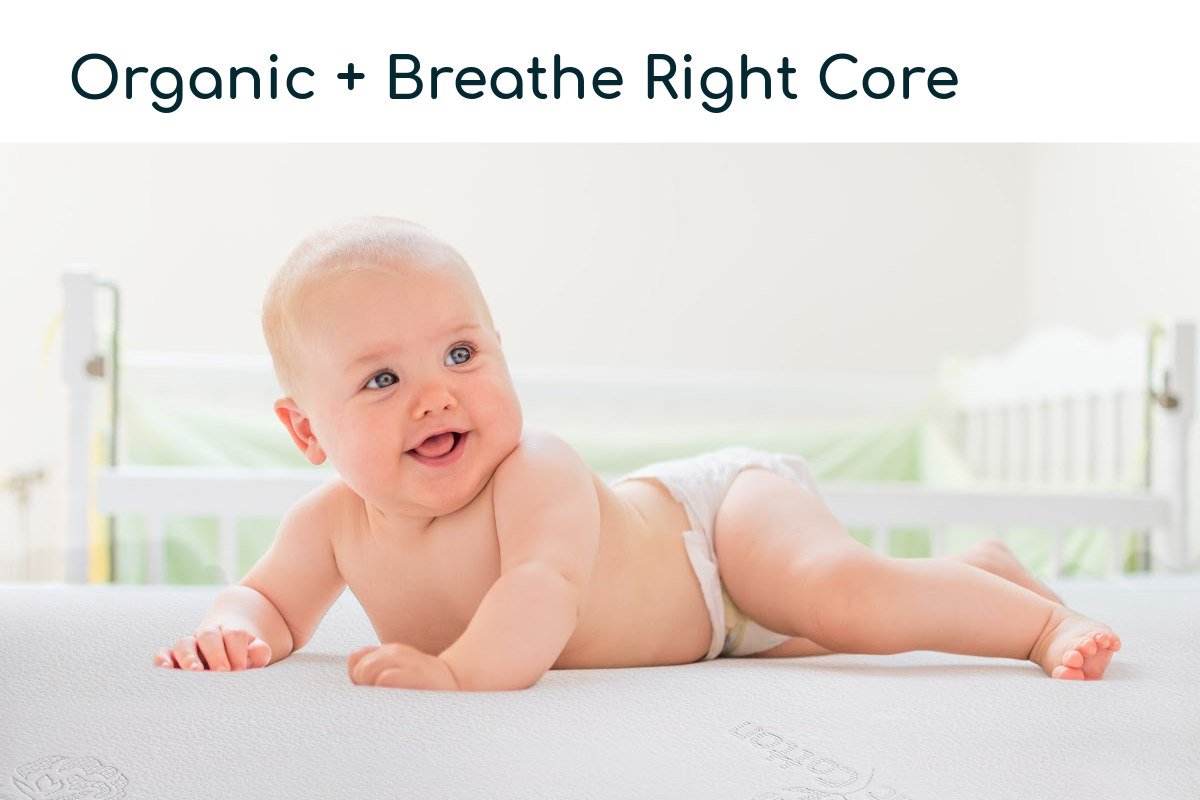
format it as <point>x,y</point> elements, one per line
<point>438,445</point>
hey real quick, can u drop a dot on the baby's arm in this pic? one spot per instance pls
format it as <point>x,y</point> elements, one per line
<point>548,524</point>
<point>277,606</point>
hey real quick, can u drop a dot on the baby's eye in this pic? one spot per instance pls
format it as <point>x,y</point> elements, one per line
<point>459,354</point>
<point>382,380</point>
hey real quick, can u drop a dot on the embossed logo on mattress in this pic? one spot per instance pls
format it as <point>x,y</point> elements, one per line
<point>62,778</point>
<point>816,776</point>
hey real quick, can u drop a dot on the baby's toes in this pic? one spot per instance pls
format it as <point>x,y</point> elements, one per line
<point>1066,673</point>
<point>1087,646</point>
<point>1072,659</point>
<point>1106,640</point>
<point>1080,650</point>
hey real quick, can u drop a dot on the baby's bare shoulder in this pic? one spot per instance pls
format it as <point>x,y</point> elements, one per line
<point>540,453</point>
<point>333,506</point>
<point>546,507</point>
<point>331,497</point>
<point>542,468</point>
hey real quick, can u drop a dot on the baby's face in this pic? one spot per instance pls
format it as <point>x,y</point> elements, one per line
<point>405,387</point>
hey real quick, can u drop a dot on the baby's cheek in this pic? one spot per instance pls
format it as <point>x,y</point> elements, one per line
<point>359,460</point>
<point>509,423</point>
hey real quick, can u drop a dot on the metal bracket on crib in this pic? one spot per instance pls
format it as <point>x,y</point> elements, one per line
<point>1178,367</point>
<point>1167,472</point>
<point>1165,398</point>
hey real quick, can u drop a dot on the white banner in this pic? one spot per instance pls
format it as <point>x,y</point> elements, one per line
<point>702,72</point>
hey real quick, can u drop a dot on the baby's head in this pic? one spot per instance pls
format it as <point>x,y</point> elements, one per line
<point>363,244</point>
<point>381,340</point>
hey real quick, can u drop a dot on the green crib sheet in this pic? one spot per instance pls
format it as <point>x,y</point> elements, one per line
<point>908,449</point>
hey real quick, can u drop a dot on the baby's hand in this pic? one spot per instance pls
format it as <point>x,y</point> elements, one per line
<point>400,666</point>
<point>219,649</point>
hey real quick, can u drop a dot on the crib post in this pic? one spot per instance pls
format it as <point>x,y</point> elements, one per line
<point>1176,404</point>
<point>78,350</point>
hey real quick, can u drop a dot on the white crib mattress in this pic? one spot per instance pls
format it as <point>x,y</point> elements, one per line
<point>80,700</point>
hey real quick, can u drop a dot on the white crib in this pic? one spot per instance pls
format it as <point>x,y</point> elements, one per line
<point>1055,427</point>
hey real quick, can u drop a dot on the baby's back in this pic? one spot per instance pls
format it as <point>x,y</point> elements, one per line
<point>643,603</point>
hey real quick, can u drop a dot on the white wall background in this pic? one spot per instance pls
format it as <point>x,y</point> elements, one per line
<point>1114,234</point>
<point>802,259</point>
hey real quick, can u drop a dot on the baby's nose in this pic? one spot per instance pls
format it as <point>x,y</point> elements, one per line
<point>434,396</point>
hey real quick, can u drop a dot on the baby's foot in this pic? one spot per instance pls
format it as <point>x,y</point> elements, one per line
<point>1073,647</point>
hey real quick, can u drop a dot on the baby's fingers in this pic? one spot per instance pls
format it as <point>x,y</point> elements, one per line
<point>212,647</point>
<point>245,651</point>
<point>218,649</point>
<point>184,653</point>
<point>258,654</point>
<point>358,655</point>
<point>236,641</point>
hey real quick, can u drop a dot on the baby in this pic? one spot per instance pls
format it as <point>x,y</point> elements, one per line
<point>485,553</point>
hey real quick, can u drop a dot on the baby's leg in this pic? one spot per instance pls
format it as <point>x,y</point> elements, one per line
<point>990,556</point>
<point>791,567</point>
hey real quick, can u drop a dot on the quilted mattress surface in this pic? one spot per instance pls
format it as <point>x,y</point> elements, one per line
<point>85,714</point>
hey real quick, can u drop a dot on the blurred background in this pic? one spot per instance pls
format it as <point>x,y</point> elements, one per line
<point>826,264</point>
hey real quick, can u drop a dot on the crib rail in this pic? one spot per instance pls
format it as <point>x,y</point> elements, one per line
<point>883,509</point>
<point>1081,440</point>
<point>228,495</point>
<point>1071,412</point>
<point>1076,416</point>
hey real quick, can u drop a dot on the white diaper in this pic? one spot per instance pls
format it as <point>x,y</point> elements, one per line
<point>700,484</point>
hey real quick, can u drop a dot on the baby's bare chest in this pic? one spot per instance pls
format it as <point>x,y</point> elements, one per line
<point>423,591</point>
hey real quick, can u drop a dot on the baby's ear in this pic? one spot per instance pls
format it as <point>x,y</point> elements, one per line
<point>299,427</point>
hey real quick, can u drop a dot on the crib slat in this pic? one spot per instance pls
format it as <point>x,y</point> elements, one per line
<point>1143,542</point>
<point>1155,564</point>
<point>1092,437</point>
<point>979,424</point>
<point>1028,464</point>
<point>156,550</point>
<point>1058,441</point>
<point>1116,558</point>
<point>881,540</point>
<point>229,549</point>
<point>995,443</point>
<point>971,440</point>
<point>1046,451</point>
<point>1118,437</point>
<point>1057,538</point>
<point>1071,472</point>
<point>1004,428</point>
<point>1012,444</point>
<point>937,538</point>
<point>1105,446</point>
